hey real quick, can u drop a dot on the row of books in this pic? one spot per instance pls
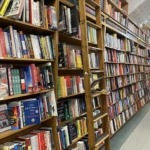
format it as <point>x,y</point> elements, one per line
<point>68,19</point>
<point>110,10</point>
<point>148,52</point>
<point>69,56</point>
<point>69,85</point>
<point>17,44</point>
<point>147,68</point>
<point>131,59</point>
<point>27,79</point>
<point>140,68</point>
<point>93,60</point>
<point>129,69</point>
<point>148,62</point>
<point>113,41</point>
<point>121,119</point>
<point>36,139</point>
<point>142,35</point>
<point>91,34</point>
<point>117,2</point>
<point>141,52</point>
<point>133,28</point>
<point>69,133</point>
<point>93,78</point>
<point>34,12</point>
<point>114,56</point>
<point>129,79</point>
<point>114,83</point>
<point>18,114</point>
<point>98,123</point>
<point>140,76</point>
<point>141,60</point>
<point>70,108</point>
<point>131,47</point>
<point>114,69</point>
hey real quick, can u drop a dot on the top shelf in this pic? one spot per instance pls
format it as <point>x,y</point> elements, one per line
<point>66,2</point>
<point>93,4</point>
<point>24,26</point>
<point>117,8</point>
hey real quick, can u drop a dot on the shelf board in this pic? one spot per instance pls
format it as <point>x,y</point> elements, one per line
<point>11,132</point>
<point>92,3</point>
<point>66,69</point>
<point>102,138</point>
<point>23,95</point>
<point>76,140</point>
<point>96,71</point>
<point>66,2</point>
<point>29,60</point>
<point>90,16</point>
<point>99,116</point>
<point>69,39</point>
<point>114,48</point>
<point>114,62</point>
<point>70,120</point>
<point>69,96</point>
<point>93,25</point>
<point>24,26</point>
<point>92,44</point>
<point>114,76</point>
<point>95,49</point>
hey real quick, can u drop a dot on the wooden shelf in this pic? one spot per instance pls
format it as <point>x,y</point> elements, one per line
<point>90,16</point>
<point>114,48</point>
<point>23,95</point>
<point>93,25</point>
<point>76,140</point>
<point>94,49</point>
<point>66,69</point>
<point>69,96</point>
<point>24,60</point>
<point>108,62</point>
<point>69,39</point>
<point>114,76</point>
<point>99,116</point>
<point>11,132</point>
<point>101,139</point>
<point>23,26</point>
<point>92,3</point>
<point>66,2</point>
<point>97,71</point>
<point>70,120</point>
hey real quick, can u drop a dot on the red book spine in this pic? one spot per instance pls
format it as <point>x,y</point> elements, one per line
<point>2,43</point>
<point>49,16</point>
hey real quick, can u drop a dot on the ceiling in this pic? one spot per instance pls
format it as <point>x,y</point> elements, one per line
<point>139,11</point>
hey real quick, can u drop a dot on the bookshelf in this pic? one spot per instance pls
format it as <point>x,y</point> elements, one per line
<point>130,93</point>
<point>36,91</point>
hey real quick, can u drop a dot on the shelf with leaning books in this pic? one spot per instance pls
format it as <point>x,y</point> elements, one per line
<point>27,73</point>
<point>116,12</point>
<point>34,13</point>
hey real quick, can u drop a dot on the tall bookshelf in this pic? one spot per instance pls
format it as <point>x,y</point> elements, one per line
<point>130,94</point>
<point>41,30</point>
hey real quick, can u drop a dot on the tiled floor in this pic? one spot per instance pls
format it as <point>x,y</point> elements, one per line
<point>135,135</point>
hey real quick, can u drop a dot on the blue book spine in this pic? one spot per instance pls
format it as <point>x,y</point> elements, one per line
<point>28,79</point>
<point>32,112</point>
<point>10,45</point>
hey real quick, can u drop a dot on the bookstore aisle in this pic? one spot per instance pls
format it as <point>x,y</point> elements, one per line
<point>135,134</point>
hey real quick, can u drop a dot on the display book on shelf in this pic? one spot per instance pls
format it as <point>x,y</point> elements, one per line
<point>75,102</point>
<point>27,96</point>
<point>125,52</point>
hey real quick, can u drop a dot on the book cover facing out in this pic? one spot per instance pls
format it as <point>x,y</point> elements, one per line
<point>31,111</point>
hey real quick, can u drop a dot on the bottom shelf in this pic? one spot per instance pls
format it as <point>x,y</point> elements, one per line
<point>126,122</point>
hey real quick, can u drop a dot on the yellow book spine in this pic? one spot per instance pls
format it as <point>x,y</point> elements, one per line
<point>79,128</point>
<point>4,7</point>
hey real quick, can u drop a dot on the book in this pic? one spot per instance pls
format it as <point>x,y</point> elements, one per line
<point>31,111</point>
<point>4,7</point>
<point>3,83</point>
<point>15,9</point>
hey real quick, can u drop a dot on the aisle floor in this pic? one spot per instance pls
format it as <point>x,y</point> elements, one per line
<point>135,135</point>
